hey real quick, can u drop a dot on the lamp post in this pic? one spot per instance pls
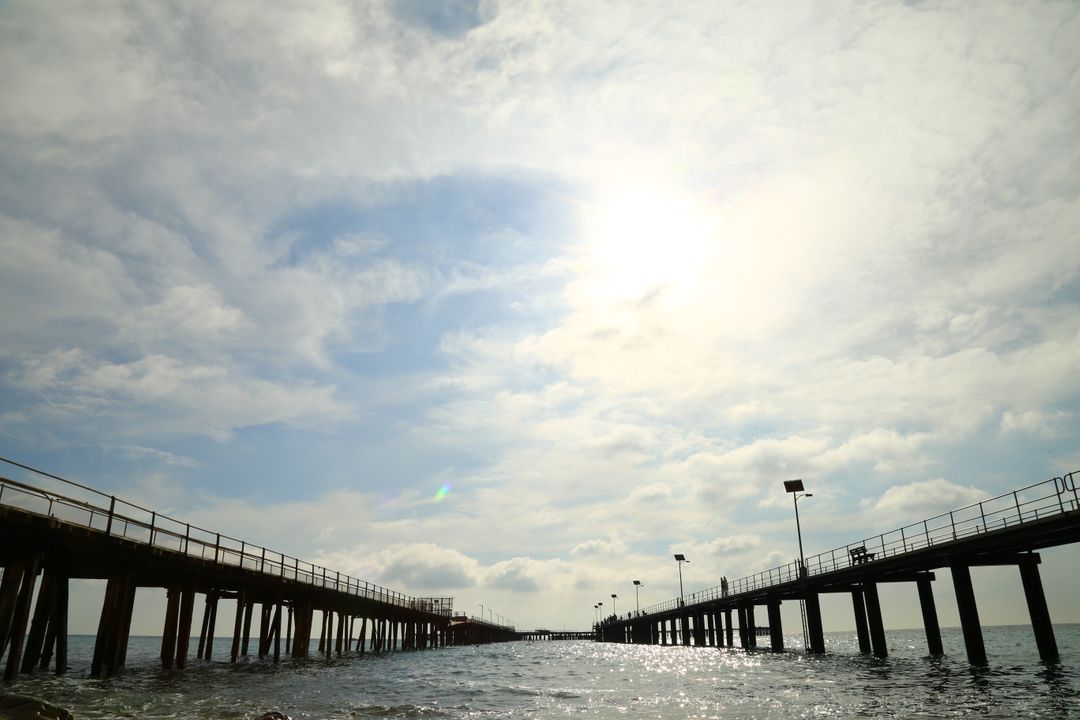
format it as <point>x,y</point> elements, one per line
<point>613,597</point>
<point>795,487</point>
<point>595,614</point>
<point>637,596</point>
<point>680,558</point>
<point>481,611</point>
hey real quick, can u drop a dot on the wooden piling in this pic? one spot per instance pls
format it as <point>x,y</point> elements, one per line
<point>363,633</point>
<point>1037,609</point>
<point>862,630</point>
<point>39,623</point>
<point>168,634</point>
<point>744,636</point>
<point>212,605</point>
<point>288,631</point>
<point>9,595</point>
<point>776,628</point>
<point>277,632</point>
<point>929,615</point>
<point>56,634</point>
<point>108,611</point>
<point>238,625</point>
<point>813,623</point>
<point>249,608</point>
<point>183,631</point>
<point>873,619</point>
<point>969,614</point>
<point>19,619</point>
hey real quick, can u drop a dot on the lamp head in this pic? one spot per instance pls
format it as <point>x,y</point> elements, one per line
<point>680,557</point>
<point>637,582</point>
<point>793,486</point>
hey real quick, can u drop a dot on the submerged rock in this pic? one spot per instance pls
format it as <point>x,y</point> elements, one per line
<point>24,707</point>
<point>274,715</point>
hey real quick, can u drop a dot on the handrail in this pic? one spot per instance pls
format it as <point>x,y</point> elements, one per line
<point>163,532</point>
<point>1038,501</point>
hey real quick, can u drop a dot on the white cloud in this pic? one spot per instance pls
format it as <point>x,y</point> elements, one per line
<point>1034,422</point>
<point>923,499</point>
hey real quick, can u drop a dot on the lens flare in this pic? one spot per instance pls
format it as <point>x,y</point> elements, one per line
<point>442,492</point>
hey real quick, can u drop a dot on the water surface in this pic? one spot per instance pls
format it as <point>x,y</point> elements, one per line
<point>592,680</point>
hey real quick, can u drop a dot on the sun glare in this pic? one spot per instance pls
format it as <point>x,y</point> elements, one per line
<point>642,240</point>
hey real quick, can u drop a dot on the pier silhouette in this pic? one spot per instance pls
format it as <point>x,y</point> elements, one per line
<point>58,537</point>
<point>1005,530</point>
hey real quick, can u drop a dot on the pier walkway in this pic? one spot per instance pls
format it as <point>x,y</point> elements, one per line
<point>82,533</point>
<point>1005,530</point>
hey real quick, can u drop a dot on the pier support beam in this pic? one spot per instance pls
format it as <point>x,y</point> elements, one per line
<point>20,615</point>
<point>699,630</point>
<point>169,633</point>
<point>776,628</point>
<point>813,623</point>
<point>39,625</point>
<point>744,636</point>
<point>858,606</point>
<point>238,627</point>
<point>969,614</point>
<point>751,626</point>
<point>730,629</point>
<point>684,629</point>
<point>183,632</point>
<point>873,617</point>
<point>114,627</point>
<point>1040,614</point>
<point>929,615</point>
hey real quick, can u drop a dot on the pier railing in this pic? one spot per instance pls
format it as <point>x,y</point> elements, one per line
<point>116,517</point>
<point>1045,499</point>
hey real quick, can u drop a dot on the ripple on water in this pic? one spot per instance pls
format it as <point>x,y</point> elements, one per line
<point>549,679</point>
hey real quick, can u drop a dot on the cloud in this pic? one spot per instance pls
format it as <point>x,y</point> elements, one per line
<point>923,499</point>
<point>1034,422</point>
<point>184,398</point>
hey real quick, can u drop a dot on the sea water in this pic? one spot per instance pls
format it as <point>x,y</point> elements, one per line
<point>589,680</point>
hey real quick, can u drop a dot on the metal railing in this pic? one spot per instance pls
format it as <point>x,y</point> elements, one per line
<point>1035,502</point>
<point>119,518</point>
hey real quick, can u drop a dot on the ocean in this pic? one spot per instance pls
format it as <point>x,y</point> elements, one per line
<point>590,680</point>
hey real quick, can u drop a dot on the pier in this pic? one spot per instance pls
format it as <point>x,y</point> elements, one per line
<point>1005,530</point>
<point>48,538</point>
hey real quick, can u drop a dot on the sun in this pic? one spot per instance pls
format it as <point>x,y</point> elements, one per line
<point>643,240</point>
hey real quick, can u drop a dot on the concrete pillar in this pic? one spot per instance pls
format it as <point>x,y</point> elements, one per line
<point>1040,614</point>
<point>168,634</point>
<point>751,626</point>
<point>929,615</point>
<point>744,637</point>
<point>776,628</point>
<point>813,623</point>
<point>861,629</point>
<point>684,628</point>
<point>873,618</point>
<point>969,614</point>
<point>729,627</point>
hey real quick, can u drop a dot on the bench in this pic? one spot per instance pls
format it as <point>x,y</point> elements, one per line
<point>860,556</point>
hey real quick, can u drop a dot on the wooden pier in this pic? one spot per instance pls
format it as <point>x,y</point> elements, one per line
<point>56,537</point>
<point>1005,530</point>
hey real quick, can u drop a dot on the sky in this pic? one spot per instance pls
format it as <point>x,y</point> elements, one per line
<point>509,301</point>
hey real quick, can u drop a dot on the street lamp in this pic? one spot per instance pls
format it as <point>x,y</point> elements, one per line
<point>795,487</point>
<point>637,595</point>
<point>481,611</point>
<point>680,558</point>
<point>595,614</point>
<point>613,597</point>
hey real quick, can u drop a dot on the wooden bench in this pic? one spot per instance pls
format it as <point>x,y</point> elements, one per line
<point>860,556</point>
